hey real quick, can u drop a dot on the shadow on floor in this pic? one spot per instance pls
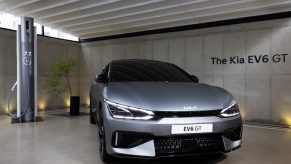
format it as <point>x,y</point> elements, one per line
<point>203,159</point>
<point>67,114</point>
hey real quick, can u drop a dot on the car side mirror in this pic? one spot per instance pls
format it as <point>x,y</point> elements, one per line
<point>100,78</point>
<point>195,78</point>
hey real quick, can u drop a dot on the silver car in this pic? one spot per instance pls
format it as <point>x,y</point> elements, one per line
<point>147,108</point>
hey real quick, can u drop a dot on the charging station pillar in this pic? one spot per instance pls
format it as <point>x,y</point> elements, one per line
<point>26,71</point>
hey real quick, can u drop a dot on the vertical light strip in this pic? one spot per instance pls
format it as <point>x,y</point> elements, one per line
<point>18,70</point>
<point>116,138</point>
<point>35,73</point>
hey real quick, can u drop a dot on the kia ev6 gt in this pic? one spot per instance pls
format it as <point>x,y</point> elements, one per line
<point>149,109</point>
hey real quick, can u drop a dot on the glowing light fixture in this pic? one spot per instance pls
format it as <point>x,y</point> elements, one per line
<point>288,120</point>
<point>6,108</point>
<point>41,105</point>
<point>67,101</point>
<point>286,116</point>
<point>243,114</point>
<point>88,102</point>
<point>12,107</point>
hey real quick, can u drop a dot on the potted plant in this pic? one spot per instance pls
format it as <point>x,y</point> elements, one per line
<point>60,82</point>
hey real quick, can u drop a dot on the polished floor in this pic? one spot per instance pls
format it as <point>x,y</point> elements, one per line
<point>65,140</point>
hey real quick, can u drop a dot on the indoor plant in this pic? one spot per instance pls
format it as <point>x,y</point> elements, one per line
<point>60,82</point>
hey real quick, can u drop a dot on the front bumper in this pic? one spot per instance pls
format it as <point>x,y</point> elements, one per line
<point>158,140</point>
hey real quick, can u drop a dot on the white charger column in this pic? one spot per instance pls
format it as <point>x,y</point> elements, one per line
<point>26,71</point>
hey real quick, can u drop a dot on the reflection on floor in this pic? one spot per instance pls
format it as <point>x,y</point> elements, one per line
<point>72,140</point>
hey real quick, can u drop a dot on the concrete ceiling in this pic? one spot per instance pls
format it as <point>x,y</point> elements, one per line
<point>96,18</point>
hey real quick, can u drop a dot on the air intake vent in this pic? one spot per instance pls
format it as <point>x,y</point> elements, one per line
<point>189,144</point>
<point>161,114</point>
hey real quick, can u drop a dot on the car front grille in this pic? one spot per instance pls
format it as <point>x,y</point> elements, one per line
<point>188,144</point>
<point>169,114</point>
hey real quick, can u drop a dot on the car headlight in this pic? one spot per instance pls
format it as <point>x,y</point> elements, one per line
<point>126,112</point>
<point>230,111</point>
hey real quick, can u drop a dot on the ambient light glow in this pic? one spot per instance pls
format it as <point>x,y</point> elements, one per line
<point>67,102</point>
<point>41,105</point>
<point>287,120</point>
<point>286,117</point>
<point>6,108</point>
<point>243,114</point>
<point>12,107</point>
<point>88,102</point>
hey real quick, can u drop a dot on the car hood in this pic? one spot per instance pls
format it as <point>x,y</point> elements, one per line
<point>168,96</point>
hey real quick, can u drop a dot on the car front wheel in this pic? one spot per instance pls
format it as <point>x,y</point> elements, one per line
<point>102,144</point>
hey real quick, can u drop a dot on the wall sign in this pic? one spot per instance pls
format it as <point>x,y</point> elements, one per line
<point>252,59</point>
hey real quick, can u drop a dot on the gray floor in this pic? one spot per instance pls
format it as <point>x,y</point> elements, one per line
<point>60,140</point>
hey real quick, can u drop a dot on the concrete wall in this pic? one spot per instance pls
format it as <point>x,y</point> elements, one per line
<point>263,90</point>
<point>49,50</point>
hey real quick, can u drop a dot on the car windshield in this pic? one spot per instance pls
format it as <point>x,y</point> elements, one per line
<point>146,71</point>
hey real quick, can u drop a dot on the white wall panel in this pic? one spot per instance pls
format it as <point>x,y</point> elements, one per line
<point>146,50</point>
<point>107,54</point>
<point>177,52</point>
<point>281,44</point>
<point>96,60</point>
<point>86,61</point>
<point>161,50</point>
<point>2,55</point>
<point>3,94</point>
<point>213,47</point>
<point>73,52</point>
<point>10,55</point>
<point>258,97</point>
<point>132,51</point>
<point>194,55</point>
<point>119,51</point>
<point>258,43</point>
<point>280,98</point>
<point>45,56</point>
<point>234,46</point>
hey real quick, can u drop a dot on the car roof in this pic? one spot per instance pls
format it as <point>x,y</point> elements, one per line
<point>124,61</point>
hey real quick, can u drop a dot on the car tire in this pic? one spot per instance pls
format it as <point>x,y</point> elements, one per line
<point>105,157</point>
<point>92,120</point>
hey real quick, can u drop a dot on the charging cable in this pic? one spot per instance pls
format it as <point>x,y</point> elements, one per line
<point>9,99</point>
